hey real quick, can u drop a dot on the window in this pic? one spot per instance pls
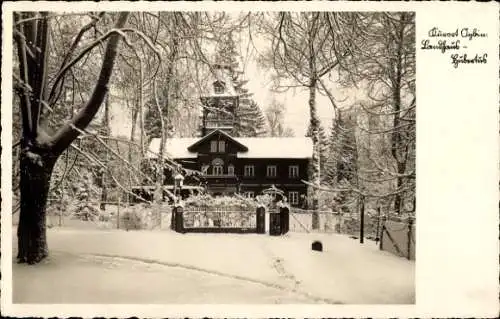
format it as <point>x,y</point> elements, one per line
<point>217,166</point>
<point>249,171</point>
<point>271,170</point>
<point>217,146</point>
<point>222,146</point>
<point>294,197</point>
<point>213,146</point>
<point>293,171</point>
<point>230,169</point>
<point>204,169</point>
<point>218,170</point>
<point>249,194</point>
<point>219,87</point>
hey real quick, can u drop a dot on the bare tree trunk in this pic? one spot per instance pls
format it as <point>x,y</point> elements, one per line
<point>159,172</point>
<point>141,108</point>
<point>164,124</point>
<point>396,149</point>
<point>40,151</point>
<point>315,158</point>
<point>35,176</point>
<point>132,139</point>
<point>314,127</point>
<point>107,131</point>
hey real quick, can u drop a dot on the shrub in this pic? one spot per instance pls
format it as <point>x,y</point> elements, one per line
<point>136,217</point>
<point>130,220</point>
<point>206,200</point>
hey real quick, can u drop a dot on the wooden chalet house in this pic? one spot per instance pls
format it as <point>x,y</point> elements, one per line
<point>244,165</point>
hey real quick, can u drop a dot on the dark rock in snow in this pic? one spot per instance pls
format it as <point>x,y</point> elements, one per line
<point>317,246</point>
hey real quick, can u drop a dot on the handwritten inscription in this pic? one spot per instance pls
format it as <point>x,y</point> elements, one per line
<point>455,42</point>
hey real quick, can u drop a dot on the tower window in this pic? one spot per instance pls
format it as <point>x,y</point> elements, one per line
<point>219,87</point>
<point>230,169</point>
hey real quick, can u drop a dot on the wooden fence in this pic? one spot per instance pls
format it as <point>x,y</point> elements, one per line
<point>398,237</point>
<point>392,234</point>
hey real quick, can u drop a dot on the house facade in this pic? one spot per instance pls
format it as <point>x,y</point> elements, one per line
<point>237,165</point>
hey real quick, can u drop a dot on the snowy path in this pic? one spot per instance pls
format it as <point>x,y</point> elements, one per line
<point>215,268</point>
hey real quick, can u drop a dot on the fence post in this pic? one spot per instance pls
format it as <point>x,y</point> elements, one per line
<point>160,215</point>
<point>362,219</point>
<point>118,213</point>
<point>172,218</point>
<point>381,246</point>
<point>409,233</point>
<point>261,220</point>
<point>60,217</point>
<point>377,233</point>
<point>284,219</point>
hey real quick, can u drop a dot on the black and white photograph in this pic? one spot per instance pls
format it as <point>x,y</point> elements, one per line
<point>216,157</point>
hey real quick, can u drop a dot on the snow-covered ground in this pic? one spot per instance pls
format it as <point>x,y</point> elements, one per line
<point>116,266</point>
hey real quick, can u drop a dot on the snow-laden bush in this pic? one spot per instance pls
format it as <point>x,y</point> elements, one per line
<point>140,216</point>
<point>206,200</point>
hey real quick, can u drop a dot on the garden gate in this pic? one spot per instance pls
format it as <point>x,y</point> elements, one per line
<point>229,219</point>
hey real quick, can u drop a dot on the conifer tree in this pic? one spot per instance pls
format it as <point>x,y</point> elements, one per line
<point>250,120</point>
<point>342,159</point>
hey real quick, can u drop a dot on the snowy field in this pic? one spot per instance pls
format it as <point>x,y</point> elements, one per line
<point>116,266</point>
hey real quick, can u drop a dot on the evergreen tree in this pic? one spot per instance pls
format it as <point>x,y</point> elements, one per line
<point>152,120</point>
<point>342,159</point>
<point>250,120</point>
<point>342,152</point>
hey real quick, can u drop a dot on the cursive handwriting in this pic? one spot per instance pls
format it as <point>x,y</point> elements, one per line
<point>468,33</point>
<point>441,45</point>
<point>457,59</point>
<point>455,41</point>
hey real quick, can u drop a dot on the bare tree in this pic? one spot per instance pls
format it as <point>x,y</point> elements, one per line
<point>275,115</point>
<point>385,68</point>
<point>305,49</point>
<point>40,148</point>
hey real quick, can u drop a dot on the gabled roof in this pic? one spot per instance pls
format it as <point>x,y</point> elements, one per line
<point>258,147</point>
<point>192,148</point>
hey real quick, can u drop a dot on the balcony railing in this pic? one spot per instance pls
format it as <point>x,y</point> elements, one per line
<point>219,176</point>
<point>221,123</point>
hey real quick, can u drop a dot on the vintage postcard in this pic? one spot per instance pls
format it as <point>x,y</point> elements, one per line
<point>250,159</point>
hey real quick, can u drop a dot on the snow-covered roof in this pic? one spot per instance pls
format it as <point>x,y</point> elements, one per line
<point>258,147</point>
<point>276,147</point>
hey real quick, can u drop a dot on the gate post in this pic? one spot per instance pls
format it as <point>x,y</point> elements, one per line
<point>410,225</point>
<point>179,219</point>
<point>381,246</point>
<point>284,219</point>
<point>261,220</point>
<point>172,218</point>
